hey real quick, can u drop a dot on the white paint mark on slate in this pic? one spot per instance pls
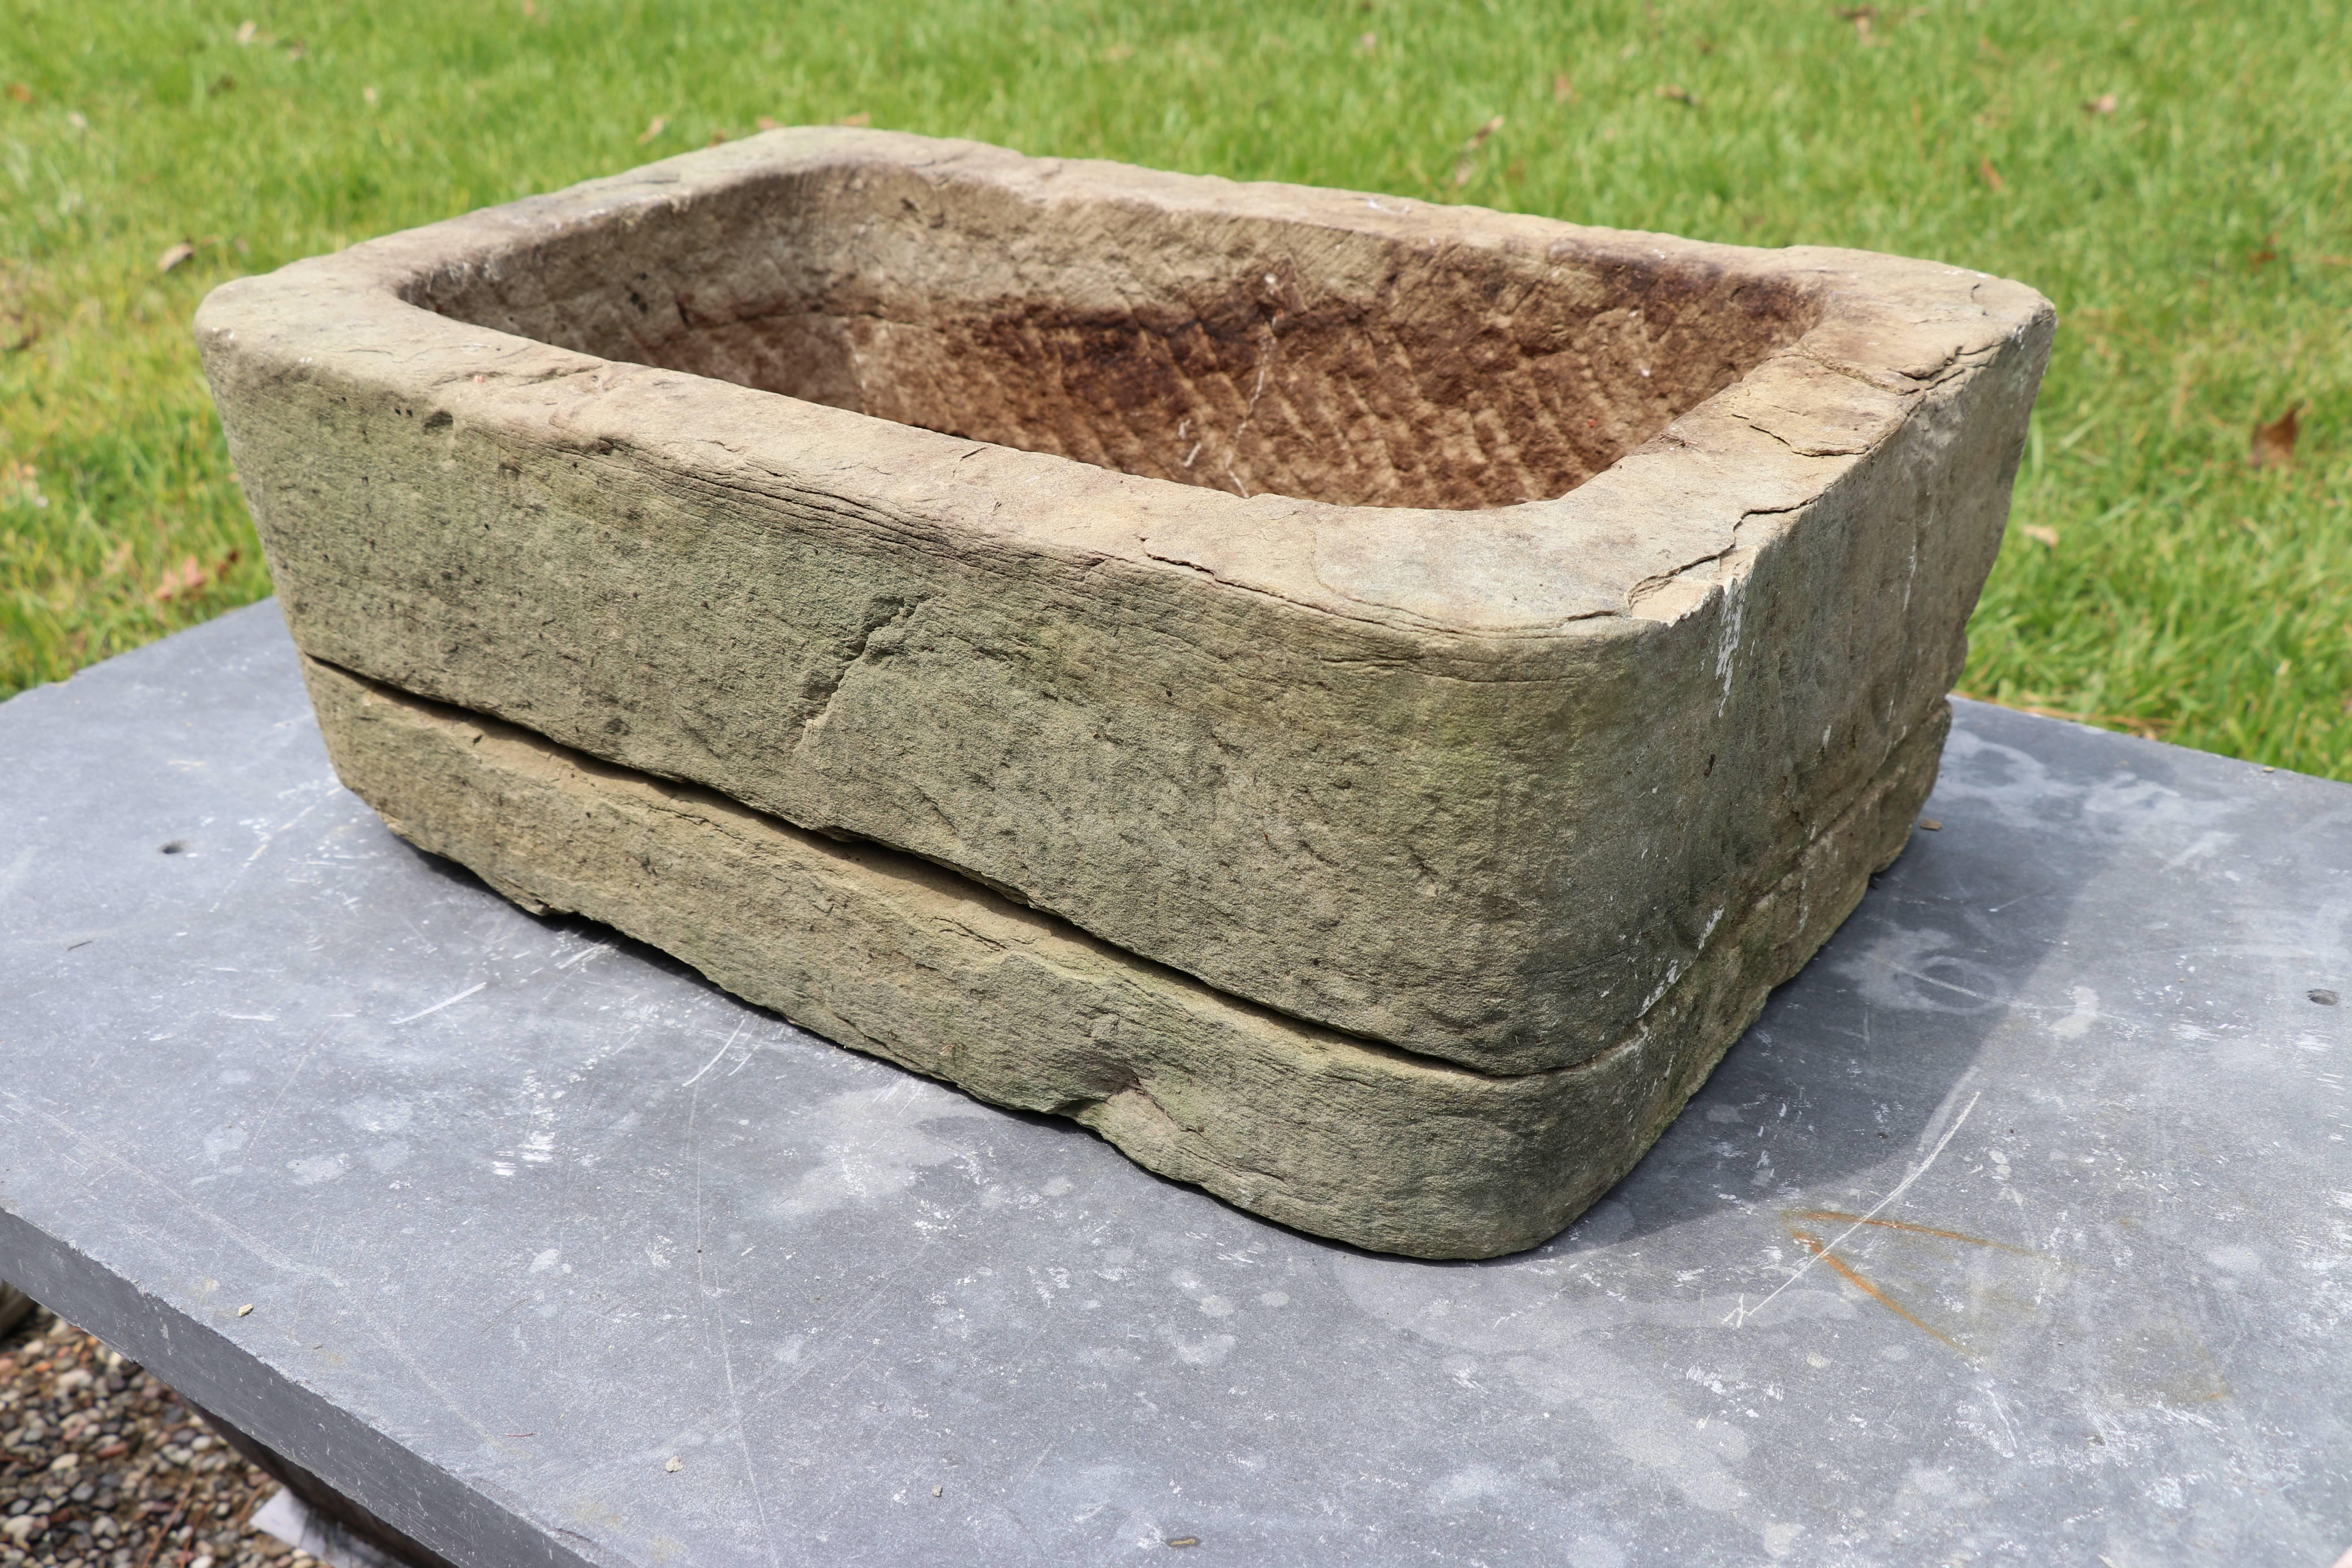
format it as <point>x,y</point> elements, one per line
<point>312,1170</point>
<point>1910,972</point>
<point>1210,1349</point>
<point>377,1114</point>
<point>2077,1024</point>
<point>873,1143</point>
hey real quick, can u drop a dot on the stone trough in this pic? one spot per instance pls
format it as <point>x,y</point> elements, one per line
<point>1357,701</point>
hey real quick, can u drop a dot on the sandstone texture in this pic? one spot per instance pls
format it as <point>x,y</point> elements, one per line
<point>894,956</point>
<point>1458,636</point>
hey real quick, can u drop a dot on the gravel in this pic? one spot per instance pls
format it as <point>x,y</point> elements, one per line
<point>102,1466</point>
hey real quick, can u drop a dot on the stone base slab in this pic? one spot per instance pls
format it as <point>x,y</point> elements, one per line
<point>892,955</point>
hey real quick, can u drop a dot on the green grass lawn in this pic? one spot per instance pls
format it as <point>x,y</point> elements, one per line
<point>2174,176</point>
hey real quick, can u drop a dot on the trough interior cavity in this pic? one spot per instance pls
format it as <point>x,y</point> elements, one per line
<point>1245,352</point>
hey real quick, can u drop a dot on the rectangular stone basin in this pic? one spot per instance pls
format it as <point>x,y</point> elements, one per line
<point>1357,701</point>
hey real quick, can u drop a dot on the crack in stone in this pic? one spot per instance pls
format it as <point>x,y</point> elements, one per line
<point>882,615</point>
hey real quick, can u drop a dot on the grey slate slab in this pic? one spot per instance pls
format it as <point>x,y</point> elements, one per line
<point>524,1212</point>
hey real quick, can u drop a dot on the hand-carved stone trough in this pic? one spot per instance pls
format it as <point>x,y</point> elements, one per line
<point>1357,701</point>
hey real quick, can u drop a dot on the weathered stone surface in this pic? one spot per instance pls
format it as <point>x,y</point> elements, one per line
<point>892,955</point>
<point>1455,629</point>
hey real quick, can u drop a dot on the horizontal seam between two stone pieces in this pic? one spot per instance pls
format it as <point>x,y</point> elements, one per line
<point>978,892</point>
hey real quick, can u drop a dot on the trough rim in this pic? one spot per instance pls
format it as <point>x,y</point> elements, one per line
<point>1638,541</point>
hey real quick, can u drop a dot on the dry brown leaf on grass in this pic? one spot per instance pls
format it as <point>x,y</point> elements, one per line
<point>765,123</point>
<point>188,577</point>
<point>2273,446</point>
<point>660,123</point>
<point>1677,93</point>
<point>246,33</point>
<point>20,92</point>
<point>1467,165</point>
<point>1367,42</point>
<point>175,254</point>
<point>179,582</point>
<point>860,118</point>
<point>21,482</point>
<point>2040,535</point>
<point>1562,89</point>
<point>2103,104</point>
<point>1989,175</point>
